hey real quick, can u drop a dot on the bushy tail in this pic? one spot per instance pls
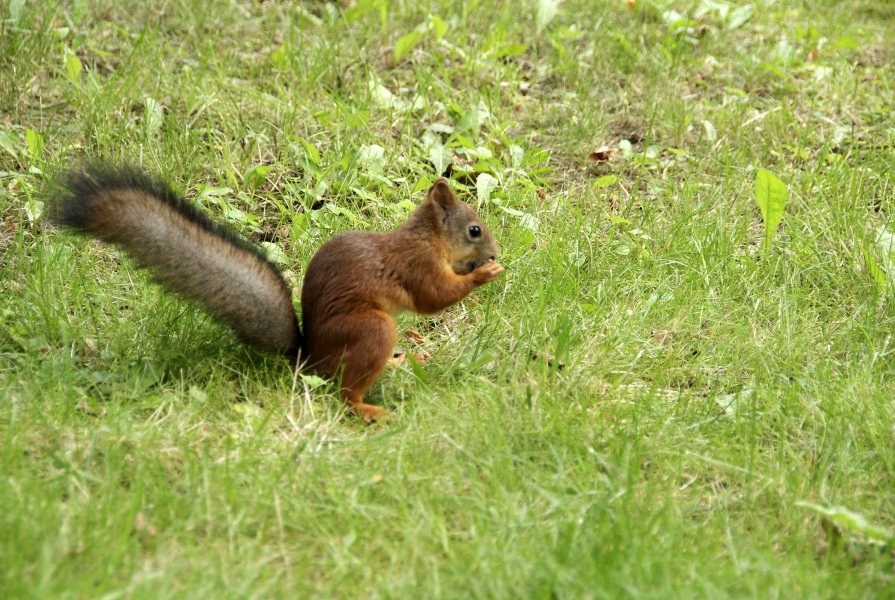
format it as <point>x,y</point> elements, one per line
<point>186,251</point>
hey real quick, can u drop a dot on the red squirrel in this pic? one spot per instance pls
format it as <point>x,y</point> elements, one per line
<point>353,287</point>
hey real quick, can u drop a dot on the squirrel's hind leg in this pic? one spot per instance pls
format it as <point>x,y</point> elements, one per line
<point>368,339</point>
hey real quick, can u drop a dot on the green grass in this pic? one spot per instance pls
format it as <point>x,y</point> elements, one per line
<point>636,408</point>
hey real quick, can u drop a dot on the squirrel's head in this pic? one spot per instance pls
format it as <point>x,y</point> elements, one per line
<point>469,242</point>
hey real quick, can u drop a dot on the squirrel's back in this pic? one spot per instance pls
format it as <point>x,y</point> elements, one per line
<point>186,251</point>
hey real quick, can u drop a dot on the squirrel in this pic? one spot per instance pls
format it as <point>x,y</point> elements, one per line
<point>353,287</point>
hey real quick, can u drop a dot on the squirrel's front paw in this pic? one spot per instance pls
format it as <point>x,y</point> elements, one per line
<point>487,272</point>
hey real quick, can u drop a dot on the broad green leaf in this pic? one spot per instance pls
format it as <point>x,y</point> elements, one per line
<point>406,43</point>
<point>439,27</point>
<point>300,225</point>
<point>212,194</point>
<point>383,97</point>
<point>9,141</point>
<point>256,175</point>
<point>152,115</point>
<point>618,220</point>
<point>15,10</point>
<point>879,276</point>
<point>35,143</point>
<point>280,57</point>
<point>604,181</point>
<point>372,158</point>
<point>711,134</point>
<point>275,254</point>
<point>545,10</point>
<point>441,157</point>
<point>484,185</point>
<point>852,521</point>
<point>311,153</point>
<point>312,381</point>
<point>530,222</point>
<point>417,369</point>
<point>33,210</point>
<point>73,66</point>
<point>472,120</point>
<point>508,50</point>
<point>738,16</point>
<point>341,210</point>
<point>732,403</point>
<point>846,42</point>
<point>771,196</point>
<point>885,242</point>
<point>365,6</point>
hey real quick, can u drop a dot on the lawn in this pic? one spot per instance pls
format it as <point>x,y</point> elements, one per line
<point>666,394</point>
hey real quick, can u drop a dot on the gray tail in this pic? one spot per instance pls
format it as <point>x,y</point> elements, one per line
<point>186,251</point>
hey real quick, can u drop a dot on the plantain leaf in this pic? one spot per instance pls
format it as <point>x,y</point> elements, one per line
<point>484,185</point>
<point>771,196</point>
<point>73,66</point>
<point>406,43</point>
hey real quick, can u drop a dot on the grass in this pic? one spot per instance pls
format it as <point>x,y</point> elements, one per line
<point>639,407</point>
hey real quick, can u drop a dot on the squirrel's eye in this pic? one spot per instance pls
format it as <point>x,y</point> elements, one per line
<point>475,231</point>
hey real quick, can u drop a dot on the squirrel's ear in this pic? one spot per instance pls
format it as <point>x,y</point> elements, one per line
<point>441,193</point>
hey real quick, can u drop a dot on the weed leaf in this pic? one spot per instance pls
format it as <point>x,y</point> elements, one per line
<point>879,276</point>
<point>372,158</point>
<point>255,176</point>
<point>771,195</point>
<point>406,43</point>
<point>73,66</point>
<point>8,141</point>
<point>15,10</point>
<point>852,521</point>
<point>545,10</point>
<point>152,115</point>
<point>441,157</point>
<point>35,143</point>
<point>484,185</point>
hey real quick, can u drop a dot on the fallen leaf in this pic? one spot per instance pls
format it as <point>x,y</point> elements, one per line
<point>422,357</point>
<point>664,338</point>
<point>91,348</point>
<point>397,359</point>
<point>600,155</point>
<point>415,336</point>
<point>141,524</point>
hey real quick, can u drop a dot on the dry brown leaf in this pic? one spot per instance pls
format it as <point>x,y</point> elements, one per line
<point>663,337</point>
<point>414,336</point>
<point>141,524</point>
<point>91,348</point>
<point>600,155</point>
<point>422,357</point>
